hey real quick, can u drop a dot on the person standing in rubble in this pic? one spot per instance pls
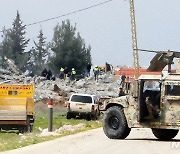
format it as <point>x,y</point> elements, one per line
<point>61,75</point>
<point>108,68</point>
<point>73,73</point>
<point>44,72</point>
<point>65,72</point>
<point>88,69</point>
<point>49,75</point>
<point>127,84</point>
<point>96,72</point>
<point>123,77</point>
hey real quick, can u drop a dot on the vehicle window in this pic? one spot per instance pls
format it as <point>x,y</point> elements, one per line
<point>151,85</point>
<point>173,90</point>
<point>83,99</point>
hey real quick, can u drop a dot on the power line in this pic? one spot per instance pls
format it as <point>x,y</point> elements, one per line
<point>77,11</point>
<point>74,12</point>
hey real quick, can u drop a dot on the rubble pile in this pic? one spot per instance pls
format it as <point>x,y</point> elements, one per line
<point>59,90</point>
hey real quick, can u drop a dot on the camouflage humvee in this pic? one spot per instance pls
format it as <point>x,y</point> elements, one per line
<point>154,103</point>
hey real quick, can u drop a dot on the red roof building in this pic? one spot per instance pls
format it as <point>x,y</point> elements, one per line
<point>130,72</point>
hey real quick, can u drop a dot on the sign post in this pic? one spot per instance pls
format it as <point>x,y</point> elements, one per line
<point>50,118</point>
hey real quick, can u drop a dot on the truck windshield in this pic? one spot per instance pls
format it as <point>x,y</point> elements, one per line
<point>172,90</point>
<point>83,99</point>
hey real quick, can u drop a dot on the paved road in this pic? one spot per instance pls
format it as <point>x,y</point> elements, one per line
<point>140,141</point>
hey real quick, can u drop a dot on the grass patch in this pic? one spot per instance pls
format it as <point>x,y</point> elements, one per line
<point>12,139</point>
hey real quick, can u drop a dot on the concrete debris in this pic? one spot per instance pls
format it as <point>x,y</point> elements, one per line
<point>2,71</point>
<point>80,83</point>
<point>65,128</point>
<point>70,128</point>
<point>60,90</point>
<point>40,129</point>
<point>23,137</point>
<point>11,66</point>
<point>46,133</point>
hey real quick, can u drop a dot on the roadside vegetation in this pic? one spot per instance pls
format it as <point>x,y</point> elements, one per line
<point>13,139</point>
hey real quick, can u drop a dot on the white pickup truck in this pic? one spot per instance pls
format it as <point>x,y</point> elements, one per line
<point>83,105</point>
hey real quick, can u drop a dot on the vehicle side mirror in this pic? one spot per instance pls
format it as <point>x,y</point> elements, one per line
<point>135,89</point>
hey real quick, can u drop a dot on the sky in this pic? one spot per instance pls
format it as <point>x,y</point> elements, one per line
<point>106,28</point>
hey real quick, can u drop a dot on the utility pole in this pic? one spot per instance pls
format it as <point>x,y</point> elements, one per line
<point>134,40</point>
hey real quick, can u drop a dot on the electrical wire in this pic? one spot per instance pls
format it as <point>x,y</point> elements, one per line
<point>77,11</point>
<point>74,12</point>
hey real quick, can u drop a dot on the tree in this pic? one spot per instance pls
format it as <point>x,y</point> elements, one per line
<point>5,46</point>
<point>39,53</point>
<point>69,48</point>
<point>19,43</point>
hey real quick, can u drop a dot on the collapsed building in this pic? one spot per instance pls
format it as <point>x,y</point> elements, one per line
<point>60,90</point>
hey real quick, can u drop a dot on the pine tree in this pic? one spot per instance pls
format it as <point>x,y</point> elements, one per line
<point>40,52</point>
<point>19,43</point>
<point>69,48</point>
<point>5,47</point>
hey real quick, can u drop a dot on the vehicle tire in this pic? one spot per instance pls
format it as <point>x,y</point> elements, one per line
<point>164,134</point>
<point>73,116</point>
<point>26,128</point>
<point>88,117</point>
<point>115,123</point>
<point>68,115</point>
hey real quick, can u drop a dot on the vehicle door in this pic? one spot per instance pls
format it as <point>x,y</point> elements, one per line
<point>170,103</point>
<point>148,107</point>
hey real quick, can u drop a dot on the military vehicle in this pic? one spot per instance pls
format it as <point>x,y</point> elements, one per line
<point>153,103</point>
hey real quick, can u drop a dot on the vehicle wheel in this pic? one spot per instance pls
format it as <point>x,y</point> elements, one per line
<point>68,115</point>
<point>26,128</point>
<point>88,117</point>
<point>73,116</point>
<point>115,124</point>
<point>164,134</point>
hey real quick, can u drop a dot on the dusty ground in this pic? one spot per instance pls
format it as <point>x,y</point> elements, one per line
<point>140,141</point>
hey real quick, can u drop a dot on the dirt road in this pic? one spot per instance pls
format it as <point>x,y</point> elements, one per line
<point>140,141</point>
